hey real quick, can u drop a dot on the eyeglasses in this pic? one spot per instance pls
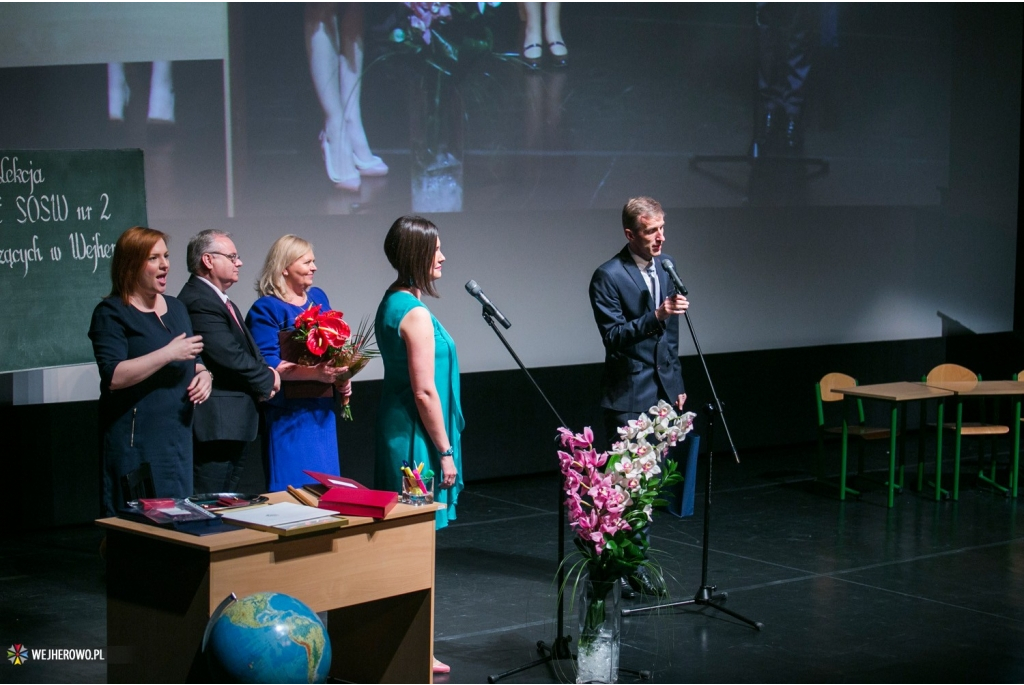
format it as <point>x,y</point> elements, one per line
<point>231,257</point>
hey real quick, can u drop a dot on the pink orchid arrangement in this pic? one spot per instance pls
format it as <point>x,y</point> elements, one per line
<point>423,14</point>
<point>611,496</point>
<point>446,36</point>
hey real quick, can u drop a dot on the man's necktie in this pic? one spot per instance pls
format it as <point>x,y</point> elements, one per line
<point>233,315</point>
<point>652,279</point>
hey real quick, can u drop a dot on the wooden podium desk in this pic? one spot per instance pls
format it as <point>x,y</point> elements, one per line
<point>894,394</point>
<point>374,578</point>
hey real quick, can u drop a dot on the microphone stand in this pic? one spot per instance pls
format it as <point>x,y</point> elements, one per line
<point>707,594</point>
<point>559,648</point>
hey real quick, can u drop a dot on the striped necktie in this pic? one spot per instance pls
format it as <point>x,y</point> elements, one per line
<point>652,279</point>
<point>232,311</point>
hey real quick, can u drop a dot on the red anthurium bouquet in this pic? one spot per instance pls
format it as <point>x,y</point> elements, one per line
<point>321,330</point>
<point>328,338</point>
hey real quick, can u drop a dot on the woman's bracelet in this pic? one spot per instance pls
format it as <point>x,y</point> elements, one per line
<point>448,452</point>
<point>207,371</point>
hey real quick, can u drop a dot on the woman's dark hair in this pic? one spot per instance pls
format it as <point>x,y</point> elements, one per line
<point>410,246</point>
<point>130,254</point>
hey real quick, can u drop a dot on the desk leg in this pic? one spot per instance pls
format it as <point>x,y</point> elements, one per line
<point>903,446</point>
<point>920,446</point>
<point>956,454</point>
<point>892,452</point>
<point>842,462</point>
<point>940,418</point>
<point>1014,470</point>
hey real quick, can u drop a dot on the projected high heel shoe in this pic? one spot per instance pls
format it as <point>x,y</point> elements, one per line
<point>351,182</point>
<point>375,166</point>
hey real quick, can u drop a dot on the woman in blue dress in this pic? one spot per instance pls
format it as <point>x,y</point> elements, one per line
<point>150,371</point>
<point>420,418</point>
<point>302,430</point>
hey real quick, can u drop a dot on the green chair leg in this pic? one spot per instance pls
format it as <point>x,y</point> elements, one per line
<point>843,488</point>
<point>956,455</point>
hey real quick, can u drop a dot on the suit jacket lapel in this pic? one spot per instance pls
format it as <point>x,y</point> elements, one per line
<point>634,273</point>
<point>631,267</point>
<point>662,278</point>
<point>241,328</point>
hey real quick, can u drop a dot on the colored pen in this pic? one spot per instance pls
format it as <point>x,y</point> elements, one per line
<point>419,481</point>
<point>413,479</point>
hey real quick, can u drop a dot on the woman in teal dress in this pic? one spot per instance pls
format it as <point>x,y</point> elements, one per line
<point>420,417</point>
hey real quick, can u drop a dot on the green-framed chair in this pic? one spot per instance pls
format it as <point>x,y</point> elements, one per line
<point>990,477</point>
<point>958,373</point>
<point>824,391</point>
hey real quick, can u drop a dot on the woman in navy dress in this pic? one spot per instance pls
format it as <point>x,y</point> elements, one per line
<point>302,431</point>
<point>150,371</point>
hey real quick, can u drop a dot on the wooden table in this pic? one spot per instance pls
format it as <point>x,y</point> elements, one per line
<point>894,393</point>
<point>963,389</point>
<point>374,578</point>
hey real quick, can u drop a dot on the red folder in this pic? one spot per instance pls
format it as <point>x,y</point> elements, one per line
<point>350,498</point>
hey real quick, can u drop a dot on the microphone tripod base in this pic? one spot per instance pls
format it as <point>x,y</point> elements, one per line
<point>559,648</point>
<point>706,596</point>
<point>558,651</point>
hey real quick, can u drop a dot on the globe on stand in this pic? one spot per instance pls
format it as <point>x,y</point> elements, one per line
<point>267,637</point>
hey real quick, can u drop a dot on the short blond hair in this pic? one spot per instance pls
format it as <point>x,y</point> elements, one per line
<point>637,208</point>
<point>283,252</point>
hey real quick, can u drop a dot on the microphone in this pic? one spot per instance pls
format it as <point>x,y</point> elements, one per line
<point>670,269</point>
<point>473,289</point>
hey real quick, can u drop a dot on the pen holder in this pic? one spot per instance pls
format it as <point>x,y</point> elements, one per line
<point>415,495</point>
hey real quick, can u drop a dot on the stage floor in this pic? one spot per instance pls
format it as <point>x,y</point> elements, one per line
<point>847,592</point>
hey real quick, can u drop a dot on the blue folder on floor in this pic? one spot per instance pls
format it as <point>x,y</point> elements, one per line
<point>680,496</point>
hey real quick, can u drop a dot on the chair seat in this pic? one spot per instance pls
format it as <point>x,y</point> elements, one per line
<point>978,429</point>
<point>866,432</point>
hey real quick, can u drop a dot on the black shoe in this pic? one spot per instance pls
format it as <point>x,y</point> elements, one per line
<point>647,582</point>
<point>532,62</point>
<point>627,590</point>
<point>558,60</point>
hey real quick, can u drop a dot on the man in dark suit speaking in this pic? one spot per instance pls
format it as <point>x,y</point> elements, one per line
<point>228,421</point>
<point>634,310</point>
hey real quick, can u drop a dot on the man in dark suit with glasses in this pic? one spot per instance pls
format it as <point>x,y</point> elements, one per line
<point>229,420</point>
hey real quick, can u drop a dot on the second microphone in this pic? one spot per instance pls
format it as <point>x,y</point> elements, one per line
<point>473,289</point>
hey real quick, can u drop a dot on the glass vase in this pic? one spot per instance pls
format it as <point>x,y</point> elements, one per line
<point>436,142</point>
<point>597,659</point>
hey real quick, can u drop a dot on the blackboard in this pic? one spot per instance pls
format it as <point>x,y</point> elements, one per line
<point>61,211</point>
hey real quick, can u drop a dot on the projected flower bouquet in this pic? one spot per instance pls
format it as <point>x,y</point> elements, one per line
<point>325,336</point>
<point>445,42</point>
<point>610,498</point>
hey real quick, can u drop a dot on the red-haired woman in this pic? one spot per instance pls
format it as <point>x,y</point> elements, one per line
<point>150,372</point>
